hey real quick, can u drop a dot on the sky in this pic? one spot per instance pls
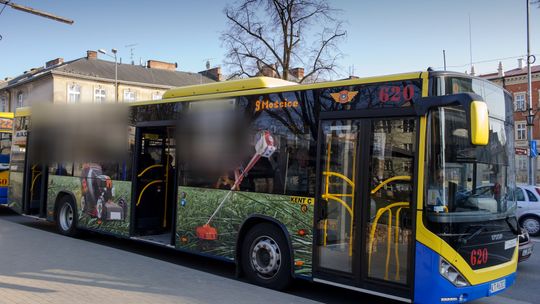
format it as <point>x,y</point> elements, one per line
<point>383,37</point>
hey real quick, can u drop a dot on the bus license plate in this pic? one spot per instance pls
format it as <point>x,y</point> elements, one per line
<point>497,286</point>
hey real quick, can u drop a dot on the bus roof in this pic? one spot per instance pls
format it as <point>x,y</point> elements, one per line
<point>264,85</point>
<point>227,86</point>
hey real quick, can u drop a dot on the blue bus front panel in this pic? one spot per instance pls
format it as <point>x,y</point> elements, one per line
<point>431,287</point>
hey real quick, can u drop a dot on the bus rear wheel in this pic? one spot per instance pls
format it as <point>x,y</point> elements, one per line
<point>66,216</point>
<point>266,259</point>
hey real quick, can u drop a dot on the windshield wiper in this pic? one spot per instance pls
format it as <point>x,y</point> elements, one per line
<point>464,240</point>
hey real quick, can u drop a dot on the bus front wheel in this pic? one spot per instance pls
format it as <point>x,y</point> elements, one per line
<point>66,216</point>
<point>266,259</point>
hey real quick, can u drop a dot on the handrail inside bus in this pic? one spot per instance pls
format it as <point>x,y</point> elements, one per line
<point>380,212</point>
<point>396,240</point>
<point>145,187</point>
<point>148,168</point>
<point>389,180</point>
<point>327,195</point>
<point>337,199</point>
<point>345,178</point>
<point>33,182</point>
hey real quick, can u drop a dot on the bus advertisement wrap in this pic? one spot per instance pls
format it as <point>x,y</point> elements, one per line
<point>378,185</point>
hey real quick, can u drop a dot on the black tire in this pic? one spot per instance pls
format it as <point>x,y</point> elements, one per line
<point>66,223</point>
<point>268,240</point>
<point>531,223</point>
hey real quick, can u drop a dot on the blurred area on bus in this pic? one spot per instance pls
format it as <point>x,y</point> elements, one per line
<point>81,132</point>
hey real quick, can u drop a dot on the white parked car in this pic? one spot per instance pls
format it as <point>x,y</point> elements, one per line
<point>528,208</point>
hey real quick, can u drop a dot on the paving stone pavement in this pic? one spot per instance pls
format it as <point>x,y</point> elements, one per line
<point>39,267</point>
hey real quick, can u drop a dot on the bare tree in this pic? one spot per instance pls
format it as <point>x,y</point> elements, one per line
<point>272,35</point>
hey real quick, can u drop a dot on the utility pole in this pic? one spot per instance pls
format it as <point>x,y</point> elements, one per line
<point>531,113</point>
<point>34,11</point>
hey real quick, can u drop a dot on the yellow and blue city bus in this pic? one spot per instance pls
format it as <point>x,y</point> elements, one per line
<point>398,186</point>
<point>6,131</point>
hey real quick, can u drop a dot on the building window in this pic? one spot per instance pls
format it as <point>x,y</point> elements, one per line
<point>407,166</point>
<point>408,125</point>
<point>408,147</point>
<point>130,95</point>
<point>522,164</point>
<point>388,165</point>
<point>100,95</point>
<point>20,100</point>
<point>74,93</point>
<point>386,126</point>
<point>521,130</point>
<point>157,96</point>
<point>3,104</point>
<point>519,102</point>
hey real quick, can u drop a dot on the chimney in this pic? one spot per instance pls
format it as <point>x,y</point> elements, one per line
<point>500,71</point>
<point>161,65</point>
<point>54,62</point>
<point>520,63</point>
<point>91,55</point>
<point>298,73</point>
<point>268,71</point>
<point>213,73</point>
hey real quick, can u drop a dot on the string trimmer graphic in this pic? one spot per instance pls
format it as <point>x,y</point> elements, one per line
<point>264,147</point>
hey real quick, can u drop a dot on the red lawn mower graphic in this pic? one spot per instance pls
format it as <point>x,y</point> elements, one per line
<point>97,195</point>
<point>264,147</point>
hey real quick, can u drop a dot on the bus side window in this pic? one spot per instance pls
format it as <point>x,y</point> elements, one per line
<point>61,169</point>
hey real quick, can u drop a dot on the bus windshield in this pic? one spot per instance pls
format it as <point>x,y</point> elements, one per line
<point>467,183</point>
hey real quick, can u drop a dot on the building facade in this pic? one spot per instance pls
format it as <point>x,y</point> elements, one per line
<point>515,81</point>
<point>92,80</point>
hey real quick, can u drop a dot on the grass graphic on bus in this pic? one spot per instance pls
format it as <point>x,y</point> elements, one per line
<point>197,204</point>
<point>122,190</point>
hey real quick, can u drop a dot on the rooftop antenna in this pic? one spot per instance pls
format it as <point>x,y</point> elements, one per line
<point>208,65</point>
<point>470,41</point>
<point>131,48</point>
<point>444,58</point>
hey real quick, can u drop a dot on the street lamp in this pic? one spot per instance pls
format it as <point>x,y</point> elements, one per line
<point>114,51</point>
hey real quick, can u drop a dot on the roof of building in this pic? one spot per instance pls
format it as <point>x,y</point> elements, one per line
<point>518,71</point>
<point>513,72</point>
<point>97,68</point>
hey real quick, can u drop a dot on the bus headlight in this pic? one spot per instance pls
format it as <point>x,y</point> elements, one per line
<point>451,274</point>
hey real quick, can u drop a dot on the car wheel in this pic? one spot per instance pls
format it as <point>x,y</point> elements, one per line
<point>266,259</point>
<point>531,224</point>
<point>66,216</point>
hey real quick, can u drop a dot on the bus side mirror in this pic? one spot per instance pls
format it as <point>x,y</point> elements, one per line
<point>479,123</point>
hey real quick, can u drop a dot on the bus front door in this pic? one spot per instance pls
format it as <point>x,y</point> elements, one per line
<point>363,223</point>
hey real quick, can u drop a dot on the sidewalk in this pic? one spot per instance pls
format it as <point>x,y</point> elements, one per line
<point>43,267</point>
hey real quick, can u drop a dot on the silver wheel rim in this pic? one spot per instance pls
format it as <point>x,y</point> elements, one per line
<point>265,257</point>
<point>66,217</point>
<point>532,225</point>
